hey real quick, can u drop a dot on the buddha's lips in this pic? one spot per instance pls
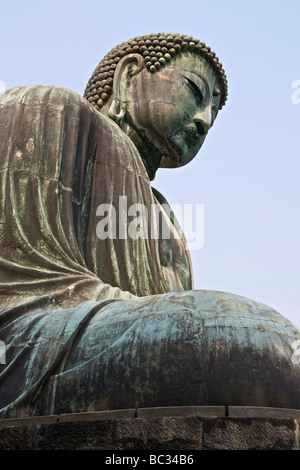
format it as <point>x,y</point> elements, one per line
<point>192,133</point>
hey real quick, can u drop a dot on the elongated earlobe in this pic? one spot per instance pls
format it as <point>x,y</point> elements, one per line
<point>127,68</point>
<point>116,112</point>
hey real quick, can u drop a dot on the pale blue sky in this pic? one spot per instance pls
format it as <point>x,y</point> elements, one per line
<point>247,174</point>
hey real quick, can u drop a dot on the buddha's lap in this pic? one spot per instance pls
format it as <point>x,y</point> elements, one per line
<point>188,348</point>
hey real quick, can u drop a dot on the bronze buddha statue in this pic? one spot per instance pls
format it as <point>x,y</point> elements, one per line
<point>99,321</point>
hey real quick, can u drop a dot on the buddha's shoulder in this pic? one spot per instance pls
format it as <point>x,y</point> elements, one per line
<point>53,96</point>
<point>59,100</point>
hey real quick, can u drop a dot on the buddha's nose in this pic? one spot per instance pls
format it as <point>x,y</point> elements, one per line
<point>203,120</point>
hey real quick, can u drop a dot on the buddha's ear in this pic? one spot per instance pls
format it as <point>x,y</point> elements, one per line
<point>127,67</point>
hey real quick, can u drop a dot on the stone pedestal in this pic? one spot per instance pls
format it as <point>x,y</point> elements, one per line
<point>173,428</point>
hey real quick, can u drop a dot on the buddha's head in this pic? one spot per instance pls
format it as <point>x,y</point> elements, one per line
<point>164,91</point>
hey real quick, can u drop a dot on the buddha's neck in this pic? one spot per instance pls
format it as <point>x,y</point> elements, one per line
<point>150,155</point>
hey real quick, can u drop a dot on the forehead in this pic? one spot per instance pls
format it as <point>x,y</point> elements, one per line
<point>195,64</point>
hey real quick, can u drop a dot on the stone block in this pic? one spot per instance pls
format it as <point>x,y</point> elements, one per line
<point>249,434</point>
<point>97,415</point>
<point>78,435</point>
<point>200,411</point>
<point>160,433</point>
<point>262,412</point>
<point>130,430</point>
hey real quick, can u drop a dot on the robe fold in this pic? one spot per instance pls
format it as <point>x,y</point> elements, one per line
<point>61,160</point>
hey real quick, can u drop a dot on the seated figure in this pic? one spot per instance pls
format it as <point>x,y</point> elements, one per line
<point>95,313</point>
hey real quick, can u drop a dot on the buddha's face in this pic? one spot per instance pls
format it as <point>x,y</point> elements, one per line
<point>172,110</point>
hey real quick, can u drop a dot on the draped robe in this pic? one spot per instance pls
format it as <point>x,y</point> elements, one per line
<point>91,323</point>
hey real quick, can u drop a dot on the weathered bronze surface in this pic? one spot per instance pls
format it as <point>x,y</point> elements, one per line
<point>98,324</point>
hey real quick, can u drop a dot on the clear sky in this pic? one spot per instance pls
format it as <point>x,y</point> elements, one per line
<point>247,175</point>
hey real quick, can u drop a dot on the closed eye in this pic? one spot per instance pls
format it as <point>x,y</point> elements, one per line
<point>196,91</point>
